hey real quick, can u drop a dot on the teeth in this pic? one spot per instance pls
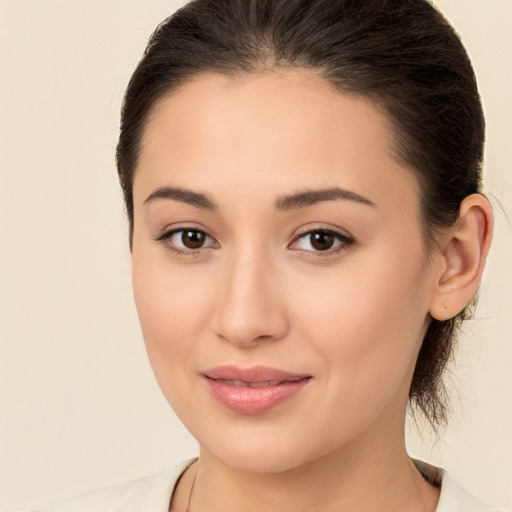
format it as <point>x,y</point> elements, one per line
<point>241,384</point>
<point>263,384</point>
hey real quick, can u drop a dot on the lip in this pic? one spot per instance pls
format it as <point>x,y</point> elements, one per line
<point>253,390</point>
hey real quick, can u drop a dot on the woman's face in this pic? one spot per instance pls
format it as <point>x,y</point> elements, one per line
<point>278,268</point>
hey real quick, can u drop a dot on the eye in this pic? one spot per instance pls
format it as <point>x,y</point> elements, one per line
<point>322,241</point>
<point>186,240</point>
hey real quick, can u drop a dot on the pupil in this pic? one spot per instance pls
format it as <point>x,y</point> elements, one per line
<point>192,239</point>
<point>322,241</point>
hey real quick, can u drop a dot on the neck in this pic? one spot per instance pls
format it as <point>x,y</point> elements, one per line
<point>379,477</point>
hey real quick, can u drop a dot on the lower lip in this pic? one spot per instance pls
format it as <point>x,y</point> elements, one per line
<point>247,400</point>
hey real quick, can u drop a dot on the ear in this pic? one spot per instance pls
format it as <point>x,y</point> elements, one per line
<point>463,254</point>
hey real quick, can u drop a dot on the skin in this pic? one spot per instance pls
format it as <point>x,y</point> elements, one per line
<point>258,292</point>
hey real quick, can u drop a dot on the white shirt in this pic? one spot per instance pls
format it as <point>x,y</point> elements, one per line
<point>153,494</point>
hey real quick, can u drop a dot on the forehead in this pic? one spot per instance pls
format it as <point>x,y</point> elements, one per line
<point>285,128</point>
<point>272,103</point>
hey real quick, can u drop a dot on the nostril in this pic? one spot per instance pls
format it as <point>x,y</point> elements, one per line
<point>256,330</point>
<point>249,310</point>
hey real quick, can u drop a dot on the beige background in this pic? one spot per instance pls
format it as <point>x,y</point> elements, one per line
<point>78,404</point>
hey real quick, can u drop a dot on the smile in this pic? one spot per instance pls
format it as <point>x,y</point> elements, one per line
<point>255,390</point>
<point>242,384</point>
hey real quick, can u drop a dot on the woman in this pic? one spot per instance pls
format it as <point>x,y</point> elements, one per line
<point>302,184</point>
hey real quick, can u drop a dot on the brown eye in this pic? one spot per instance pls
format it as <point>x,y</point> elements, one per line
<point>186,241</point>
<point>193,239</point>
<point>321,241</point>
<point>318,241</point>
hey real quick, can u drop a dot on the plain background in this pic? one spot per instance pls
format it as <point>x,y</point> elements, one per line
<point>79,407</point>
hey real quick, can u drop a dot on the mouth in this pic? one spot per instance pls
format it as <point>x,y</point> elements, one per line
<point>253,390</point>
<point>242,384</point>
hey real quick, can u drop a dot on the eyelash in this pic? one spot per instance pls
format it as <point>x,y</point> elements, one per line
<point>165,237</point>
<point>345,242</point>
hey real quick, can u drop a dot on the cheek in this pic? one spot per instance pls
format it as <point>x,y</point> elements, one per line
<point>378,291</point>
<point>368,318</point>
<point>173,305</point>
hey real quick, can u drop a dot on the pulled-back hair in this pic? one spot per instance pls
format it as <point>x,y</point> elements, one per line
<point>402,54</point>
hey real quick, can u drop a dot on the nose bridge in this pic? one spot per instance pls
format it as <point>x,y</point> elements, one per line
<point>250,306</point>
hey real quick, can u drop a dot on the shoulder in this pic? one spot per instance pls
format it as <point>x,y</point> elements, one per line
<point>149,493</point>
<point>453,497</point>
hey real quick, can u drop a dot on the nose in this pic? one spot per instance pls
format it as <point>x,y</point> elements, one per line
<point>250,307</point>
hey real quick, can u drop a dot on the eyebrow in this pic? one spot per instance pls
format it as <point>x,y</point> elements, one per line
<point>310,197</point>
<point>196,199</point>
<point>283,203</point>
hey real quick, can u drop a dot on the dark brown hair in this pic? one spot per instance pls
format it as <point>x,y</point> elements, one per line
<point>403,54</point>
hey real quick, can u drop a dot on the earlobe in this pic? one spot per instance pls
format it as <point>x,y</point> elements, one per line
<point>463,257</point>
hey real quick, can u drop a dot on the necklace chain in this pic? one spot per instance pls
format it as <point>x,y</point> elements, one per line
<point>191,491</point>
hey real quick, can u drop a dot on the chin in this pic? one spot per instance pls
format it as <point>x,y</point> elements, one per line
<point>257,462</point>
<point>260,452</point>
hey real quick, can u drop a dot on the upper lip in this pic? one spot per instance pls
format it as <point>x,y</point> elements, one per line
<point>252,374</point>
